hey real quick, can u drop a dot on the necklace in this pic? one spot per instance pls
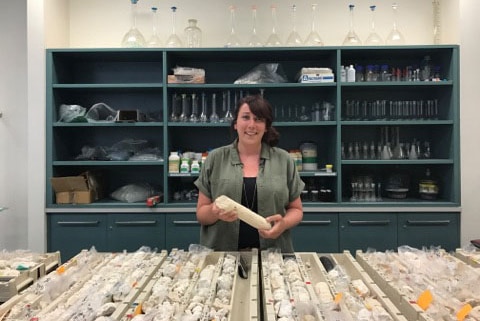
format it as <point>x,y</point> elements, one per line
<point>252,203</point>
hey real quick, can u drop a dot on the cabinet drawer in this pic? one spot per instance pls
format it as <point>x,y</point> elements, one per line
<point>181,230</point>
<point>318,232</point>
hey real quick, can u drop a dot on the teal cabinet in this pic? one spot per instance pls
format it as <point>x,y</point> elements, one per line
<point>429,229</point>
<point>131,231</point>
<point>318,232</point>
<point>181,230</point>
<point>361,231</point>
<point>70,233</point>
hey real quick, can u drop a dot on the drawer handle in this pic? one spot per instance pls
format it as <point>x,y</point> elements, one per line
<point>77,223</point>
<point>422,223</point>
<point>136,222</point>
<point>363,223</point>
<point>328,222</point>
<point>186,223</point>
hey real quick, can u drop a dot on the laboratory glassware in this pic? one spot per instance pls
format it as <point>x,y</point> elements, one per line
<point>254,40</point>
<point>313,38</point>
<point>173,41</point>
<point>133,38</point>
<point>154,40</point>
<point>232,40</point>
<point>294,38</point>
<point>174,116</point>
<point>203,115</point>
<point>193,34</point>
<point>395,37</point>
<point>373,38</point>
<point>351,39</point>
<point>273,39</point>
<point>184,114</point>
<point>214,116</point>
<point>228,117</point>
<point>194,115</point>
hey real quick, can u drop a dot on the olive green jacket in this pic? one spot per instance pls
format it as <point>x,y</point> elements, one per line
<point>278,184</point>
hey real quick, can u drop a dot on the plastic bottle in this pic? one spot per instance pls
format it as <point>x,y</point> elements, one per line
<point>351,74</point>
<point>195,167</point>
<point>173,162</point>
<point>184,167</point>
<point>343,74</point>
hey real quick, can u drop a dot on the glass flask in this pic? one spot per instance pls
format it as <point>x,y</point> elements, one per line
<point>228,117</point>
<point>273,39</point>
<point>313,38</point>
<point>184,115</point>
<point>395,37</point>
<point>254,40</point>
<point>174,115</point>
<point>214,116</point>
<point>133,38</point>
<point>351,38</point>
<point>154,40</point>
<point>232,40</point>
<point>294,38</point>
<point>193,34</point>
<point>194,115</point>
<point>373,38</point>
<point>173,41</point>
<point>203,116</point>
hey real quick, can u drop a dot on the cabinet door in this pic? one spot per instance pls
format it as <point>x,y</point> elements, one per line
<point>181,230</point>
<point>318,232</point>
<point>429,229</point>
<point>132,231</point>
<point>360,231</point>
<point>71,233</point>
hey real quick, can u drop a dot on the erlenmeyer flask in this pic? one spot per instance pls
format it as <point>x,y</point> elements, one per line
<point>254,40</point>
<point>395,37</point>
<point>351,39</point>
<point>133,38</point>
<point>214,116</point>
<point>273,40</point>
<point>294,38</point>
<point>203,115</point>
<point>232,40</point>
<point>373,38</point>
<point>227,106</point>
<point>154,40</point>
<point>313,38</point>
<point>173,41</point>
<point>194,115</point>
<point>184,114</point>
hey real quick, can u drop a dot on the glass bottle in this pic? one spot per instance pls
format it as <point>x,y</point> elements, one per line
<point>133,38</point>
<point>254,40</point>
<point>173,41</point>
<point>373,38</point>
<point>351,39</point>
<point>203,115</point>
<point>154,40</point>
<point>273,39</point>
<point>294,38</point>
<point>395,37</point>
<point>232,40</point>
<point>313,38</point>
<point>193,34</point>
<point>214,116</point>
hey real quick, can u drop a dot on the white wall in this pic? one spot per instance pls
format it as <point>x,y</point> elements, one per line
<point>13,125</point>
<point>94,23</point>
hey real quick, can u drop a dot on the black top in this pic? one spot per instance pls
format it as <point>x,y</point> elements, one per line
<point>248,236</point>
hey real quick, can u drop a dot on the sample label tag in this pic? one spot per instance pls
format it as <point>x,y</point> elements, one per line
<point>425,299</point>
<point>463,312</point>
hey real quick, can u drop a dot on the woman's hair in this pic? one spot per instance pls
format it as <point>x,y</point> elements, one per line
<point>261,108</point>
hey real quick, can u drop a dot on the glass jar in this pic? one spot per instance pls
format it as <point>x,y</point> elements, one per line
<point>193,34</point>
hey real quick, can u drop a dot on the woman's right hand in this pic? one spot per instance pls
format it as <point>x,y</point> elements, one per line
<point>227,216</point>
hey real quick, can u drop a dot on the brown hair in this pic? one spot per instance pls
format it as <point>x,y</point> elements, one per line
<point>261,108</point>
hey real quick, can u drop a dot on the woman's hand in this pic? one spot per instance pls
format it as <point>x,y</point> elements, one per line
<point>227,216</point>
<point>278,227</point>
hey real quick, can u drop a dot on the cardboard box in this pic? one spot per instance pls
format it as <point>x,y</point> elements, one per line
<point>81,189</point>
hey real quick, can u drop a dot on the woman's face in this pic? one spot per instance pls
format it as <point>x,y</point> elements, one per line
<point>250,128</point>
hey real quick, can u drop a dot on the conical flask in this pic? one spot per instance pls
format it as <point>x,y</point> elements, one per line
<point>232,40</point>
<point>154,40</point>
<point>273,39</point>
<point>351,39</point>
<point>294,38</point>
<point>133,38</point>
<point>313,38</point>
<point>173,41</point>
<point>395,37</point>
<point>373,38</point>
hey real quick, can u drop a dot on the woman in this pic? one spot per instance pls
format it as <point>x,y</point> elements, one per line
<point>255,173</point>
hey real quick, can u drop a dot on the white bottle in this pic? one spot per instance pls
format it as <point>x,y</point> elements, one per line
<point>343,74</point>
<point>173,162</point>
<point>195,167</point>
<point>351,74</point>
<point>184,167</point>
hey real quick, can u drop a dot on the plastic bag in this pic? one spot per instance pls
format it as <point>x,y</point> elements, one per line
<point>101,112</point>
<point>263,73</point>
<point>132,193</point>
<point>72,113</point>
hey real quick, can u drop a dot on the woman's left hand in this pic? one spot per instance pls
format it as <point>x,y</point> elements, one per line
<point>278,227</point>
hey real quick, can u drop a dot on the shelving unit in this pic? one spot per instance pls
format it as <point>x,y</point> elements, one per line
<point>136,79</point>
